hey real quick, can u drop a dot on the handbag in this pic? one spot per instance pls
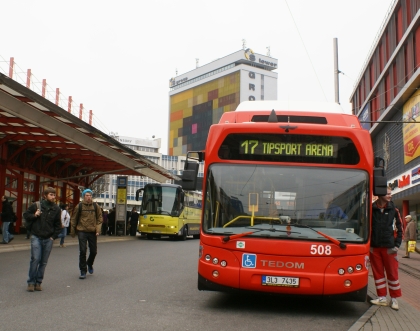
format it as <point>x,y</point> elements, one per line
<point>411,246</point>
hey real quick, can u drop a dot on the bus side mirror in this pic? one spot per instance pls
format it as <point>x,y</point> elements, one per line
<point>189,176</point>
<point>138,193</point>
<point>380,184</point>
<point>182,198</point>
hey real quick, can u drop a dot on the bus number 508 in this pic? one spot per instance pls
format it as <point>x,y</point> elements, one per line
<point>320,250</point>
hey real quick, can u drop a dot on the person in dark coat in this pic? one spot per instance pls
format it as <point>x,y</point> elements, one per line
<point>111,222</point>
<point>386,236</point>
<point>6,218</point>
<point>134,220</point>
<point>104,222</point>
<point>45,226</point>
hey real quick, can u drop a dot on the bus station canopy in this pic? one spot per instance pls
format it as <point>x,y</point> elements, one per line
<point>32,123</point>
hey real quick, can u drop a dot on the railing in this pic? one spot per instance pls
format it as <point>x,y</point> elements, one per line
<point>27,78</point>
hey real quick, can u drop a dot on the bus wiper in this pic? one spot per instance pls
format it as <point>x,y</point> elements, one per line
<point>239,235</point>
<point>333,240</point>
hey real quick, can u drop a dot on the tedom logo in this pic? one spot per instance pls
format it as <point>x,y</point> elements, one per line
<point>249,54</point>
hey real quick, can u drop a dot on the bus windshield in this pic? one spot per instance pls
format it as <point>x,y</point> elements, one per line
<point>279,202</point>
<point>161,200</point>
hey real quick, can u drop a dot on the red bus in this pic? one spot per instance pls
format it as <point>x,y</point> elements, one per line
<point>287,201</point>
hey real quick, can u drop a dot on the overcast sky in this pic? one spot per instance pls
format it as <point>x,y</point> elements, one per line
<point>116,57</point>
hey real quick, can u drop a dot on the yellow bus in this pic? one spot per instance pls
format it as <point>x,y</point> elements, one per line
<point>168,210</point>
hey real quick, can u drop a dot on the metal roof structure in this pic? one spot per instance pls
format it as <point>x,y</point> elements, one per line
<point>34,128</point>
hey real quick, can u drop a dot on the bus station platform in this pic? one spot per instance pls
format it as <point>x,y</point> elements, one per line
<point>407,318</point>
<point>376,318</point>
<point>20,243</point>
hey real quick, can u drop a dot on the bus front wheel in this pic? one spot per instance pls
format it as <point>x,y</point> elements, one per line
<point>184,234</point>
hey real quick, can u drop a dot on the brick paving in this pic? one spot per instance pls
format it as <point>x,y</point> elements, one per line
<point>407,318</point>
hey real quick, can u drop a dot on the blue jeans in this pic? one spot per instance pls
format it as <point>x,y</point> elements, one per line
<point>86,238</point>
<point>62,235</point>
<point>6,234</point>
<point>40,252</point>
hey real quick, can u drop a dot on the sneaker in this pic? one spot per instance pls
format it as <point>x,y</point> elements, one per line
<point>82,275</point>
<point>381,301</point>
<point>394,304</point>
<point>90,269</point>
<point>11,239</point>
<point>62,245</point>
<point>406,257</point>
<point>38,287</point>
<point>30,288</point>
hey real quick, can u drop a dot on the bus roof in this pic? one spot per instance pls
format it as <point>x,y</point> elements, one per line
<point>306,106</point>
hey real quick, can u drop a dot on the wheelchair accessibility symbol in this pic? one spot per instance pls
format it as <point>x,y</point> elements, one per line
<point>249,260</point>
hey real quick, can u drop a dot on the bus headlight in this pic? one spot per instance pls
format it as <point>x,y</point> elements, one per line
<point>215,274</point>
<point>215,260</point>
<point>223,263</point>
<point>341,271</point>
<point>358,267</point>
<point>350,270</point>
<point>347,283</point>
<point>208,257</point>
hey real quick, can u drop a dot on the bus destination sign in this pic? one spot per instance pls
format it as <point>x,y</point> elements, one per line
<point>289,148</point>
<point>258,147</point>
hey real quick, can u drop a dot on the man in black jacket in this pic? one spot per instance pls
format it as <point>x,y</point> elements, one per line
<point>45,226</point>
<point>387,229</point>
<point>6,218</point>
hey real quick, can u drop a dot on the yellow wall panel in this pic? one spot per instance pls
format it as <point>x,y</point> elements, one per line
<point>195,133</point>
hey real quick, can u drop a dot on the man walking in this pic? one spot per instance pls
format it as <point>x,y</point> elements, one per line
<point>6,218</point>
<point>410,235</point>
<point>86,222</point>
<point>45,226</point>
<point>386,221</point>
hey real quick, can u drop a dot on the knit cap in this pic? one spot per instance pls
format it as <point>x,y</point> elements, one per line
<point>86,191</point>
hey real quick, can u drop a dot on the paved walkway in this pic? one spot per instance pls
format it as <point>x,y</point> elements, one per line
<point>376,318</point>
<point>407,318</point>
<point>19,243</point>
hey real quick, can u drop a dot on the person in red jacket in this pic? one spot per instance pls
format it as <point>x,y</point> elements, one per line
<point>384,247</point>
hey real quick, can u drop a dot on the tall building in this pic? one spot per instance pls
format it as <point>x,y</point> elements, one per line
<point>198,98</point>
<point>386,99</point>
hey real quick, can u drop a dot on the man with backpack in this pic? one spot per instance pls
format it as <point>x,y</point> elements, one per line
<point>86,222</point>
<point>44,221</point>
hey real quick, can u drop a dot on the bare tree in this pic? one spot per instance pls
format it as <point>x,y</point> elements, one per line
<point>99,185</point>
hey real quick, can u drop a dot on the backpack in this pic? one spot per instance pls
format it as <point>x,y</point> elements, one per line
<point>79,212</point>
<point>24,222</point>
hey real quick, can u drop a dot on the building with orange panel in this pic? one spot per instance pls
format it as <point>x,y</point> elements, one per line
<point>198,98</point>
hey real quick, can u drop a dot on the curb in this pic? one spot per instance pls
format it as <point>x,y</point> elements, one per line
<point>360,323</point>
<point>27,246</point>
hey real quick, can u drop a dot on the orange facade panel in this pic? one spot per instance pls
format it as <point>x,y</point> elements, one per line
<point>176,115</point>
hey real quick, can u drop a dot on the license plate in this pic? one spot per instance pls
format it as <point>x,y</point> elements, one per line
<point>280,281</point>
<point>155,231</point>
